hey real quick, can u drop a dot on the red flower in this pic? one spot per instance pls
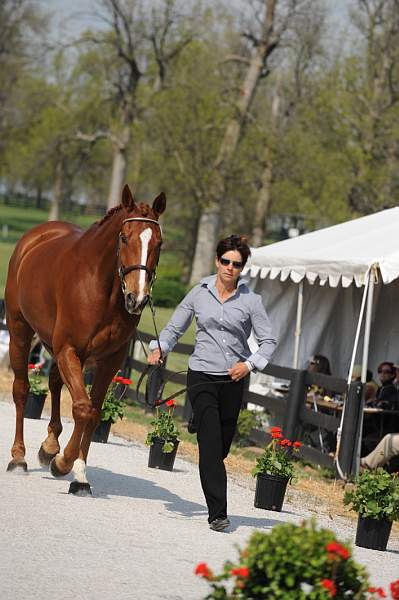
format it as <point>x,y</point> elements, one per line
<point>277,435</point>
<point>329,585</point>
<point>241,572</point>
<point>126,381</point>
<point>275,430</point>
<point>379,591</point>
<point>286,442</point>
<point>117,379</point>
<point>31,366</point>
<point>171,403</point>
<point>202,570</point>
<point>335,549</point>
<point>297,444</point>
<point>395,589</point>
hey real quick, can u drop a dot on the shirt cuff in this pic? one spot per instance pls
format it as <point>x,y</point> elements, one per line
<point>153,345</point>
<point>258,361</point>
<point>250,365</point>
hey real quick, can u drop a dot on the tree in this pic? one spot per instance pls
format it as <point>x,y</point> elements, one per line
<point>273,19</point>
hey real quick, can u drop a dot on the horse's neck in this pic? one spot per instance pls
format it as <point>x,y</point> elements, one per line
<point>100,245</point>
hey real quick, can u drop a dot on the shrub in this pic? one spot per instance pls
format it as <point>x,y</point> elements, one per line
<point>291,563</point>
<point>247,420</point>
<point>277,457</point>
<point>376,495</point>
<point>168,292</point>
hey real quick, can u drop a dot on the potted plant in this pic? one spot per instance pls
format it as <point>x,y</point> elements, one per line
<point>292,561</point>
<point>273,470</point>
<point>112,409</point>
<point>375,498</point>
<point>37,392</point>
<point>163,439</point>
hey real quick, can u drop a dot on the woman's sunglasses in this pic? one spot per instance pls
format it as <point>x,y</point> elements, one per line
<point>226,262</point>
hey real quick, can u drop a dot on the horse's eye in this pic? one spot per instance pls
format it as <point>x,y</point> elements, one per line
<point>123,239</point>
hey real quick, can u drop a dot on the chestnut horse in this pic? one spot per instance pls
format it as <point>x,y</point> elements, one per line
<point>83,293</point>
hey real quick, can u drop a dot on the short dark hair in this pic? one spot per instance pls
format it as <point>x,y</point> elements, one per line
<point>322,364</point>
<point>390,365</point>
<point>234,242</point>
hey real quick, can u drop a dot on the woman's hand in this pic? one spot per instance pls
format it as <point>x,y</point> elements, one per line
<point>238,371</point>
<point>155,357</point>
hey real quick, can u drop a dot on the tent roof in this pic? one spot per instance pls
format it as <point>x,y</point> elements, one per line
<point>341,254</point>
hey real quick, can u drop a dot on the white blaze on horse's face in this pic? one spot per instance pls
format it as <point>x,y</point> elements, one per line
<point>145,237</point>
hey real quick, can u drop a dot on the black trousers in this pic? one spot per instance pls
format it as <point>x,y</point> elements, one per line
<point>216,407</point>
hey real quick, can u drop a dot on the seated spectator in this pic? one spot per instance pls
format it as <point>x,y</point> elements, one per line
<point>371,385</point>
<point>385,450</point>
<point>376,426</point>
<point>387,394</point>
<point>319,364</point>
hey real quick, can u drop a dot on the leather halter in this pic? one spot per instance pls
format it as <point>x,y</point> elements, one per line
<point>122,270</point>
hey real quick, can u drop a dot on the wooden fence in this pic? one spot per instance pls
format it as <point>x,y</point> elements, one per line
<point>290,412</point>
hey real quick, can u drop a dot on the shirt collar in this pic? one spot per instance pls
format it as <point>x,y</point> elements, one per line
<point>210,281</point>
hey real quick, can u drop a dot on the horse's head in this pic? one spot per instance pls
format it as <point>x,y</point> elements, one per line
<point>140,241</point>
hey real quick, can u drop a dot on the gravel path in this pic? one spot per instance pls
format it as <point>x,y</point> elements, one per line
<point>141,534</point>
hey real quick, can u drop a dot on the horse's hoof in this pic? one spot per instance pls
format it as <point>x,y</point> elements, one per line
<point>17,465</point>
<point>80,489</point>
<point>54,468</point>
<point>44,457</point>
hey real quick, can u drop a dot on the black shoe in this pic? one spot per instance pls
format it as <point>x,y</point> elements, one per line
<point>219,524</point>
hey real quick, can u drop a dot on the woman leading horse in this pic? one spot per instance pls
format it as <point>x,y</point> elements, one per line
<point>83,293</point>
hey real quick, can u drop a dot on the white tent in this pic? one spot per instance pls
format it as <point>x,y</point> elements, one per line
<point>315,287</point>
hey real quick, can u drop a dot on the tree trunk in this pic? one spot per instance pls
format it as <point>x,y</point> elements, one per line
<point>263,202</point>
<point>210,219</point>
<point>262,206</point>
<point>208,230</point>
<point>118,176</point>
<point>58,193</point>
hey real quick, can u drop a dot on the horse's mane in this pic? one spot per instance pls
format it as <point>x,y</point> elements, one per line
<point>144,211</point>
<point>109,214</point>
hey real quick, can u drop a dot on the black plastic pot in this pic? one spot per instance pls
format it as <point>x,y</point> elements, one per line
<point>34,405</point>
<point>373,533</point>
<point>270,491</point>
<point>101,433</point>
<point>161,460</point>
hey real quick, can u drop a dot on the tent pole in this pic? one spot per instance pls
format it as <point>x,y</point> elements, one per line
<point>341,474</point>
<point>366,343</point>
<point>298,325</point>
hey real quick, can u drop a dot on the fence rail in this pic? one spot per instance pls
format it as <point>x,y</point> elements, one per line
<point>290,411</point>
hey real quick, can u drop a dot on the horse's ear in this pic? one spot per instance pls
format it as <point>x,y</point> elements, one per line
<point>159,204</point>
<point>127,198</point>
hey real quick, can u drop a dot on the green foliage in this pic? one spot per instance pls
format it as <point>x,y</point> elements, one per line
<point>376,495</point>
<point>277,458</point>
<point>247,420</point>
<point>113,408</point>
<point>164,428</point>
<point>36,384</point>
<point>168,292</point>
<point>292,563</point>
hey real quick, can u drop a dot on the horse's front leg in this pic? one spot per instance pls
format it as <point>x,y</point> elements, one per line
<point>50,446</point>
<point>71,371</point>
<point>105,371</point>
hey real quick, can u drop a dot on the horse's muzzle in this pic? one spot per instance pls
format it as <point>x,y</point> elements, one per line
<point>132,305</point>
